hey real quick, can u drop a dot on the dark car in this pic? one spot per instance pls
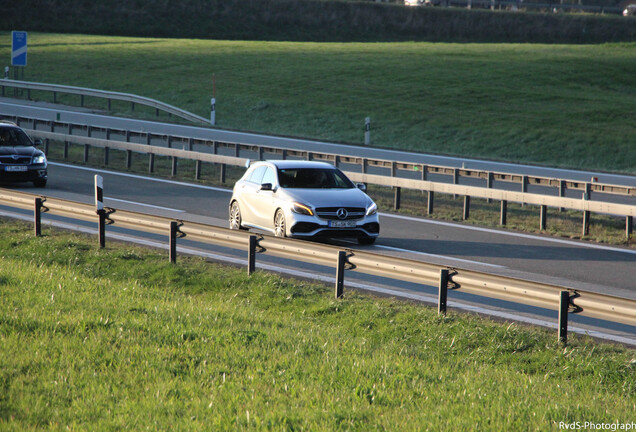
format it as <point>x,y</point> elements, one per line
<point>20,160</point>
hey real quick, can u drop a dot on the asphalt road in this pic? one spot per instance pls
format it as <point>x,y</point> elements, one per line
<point>575,264</point>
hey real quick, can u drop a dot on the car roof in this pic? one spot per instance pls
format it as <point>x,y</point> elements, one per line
<point>295,164</point>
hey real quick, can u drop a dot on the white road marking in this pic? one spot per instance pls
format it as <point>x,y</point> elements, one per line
<point>438,256</point>
<point>145,205</point>
<point>510,233</point>
<point>331,280</point>
<point>140,177</point>
<point>387,215</point>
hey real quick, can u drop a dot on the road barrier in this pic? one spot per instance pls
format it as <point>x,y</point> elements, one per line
<point>565,300</point>
<point>585,204</point>
<point>108,95</point>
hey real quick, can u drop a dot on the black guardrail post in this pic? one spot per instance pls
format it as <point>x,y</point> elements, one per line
<point>503,217</point>
<point>466,213</point>
<point>543,218</point>
<point>629,226</point>
<point>37,217</point>
<point>197,170</point>
<point>340,269</point>
<point>564,305</point>
<point>174,227</point>
<point>443,292</point>
<point>251,255</point>
<point>174,165</point>
<point>430,203</point>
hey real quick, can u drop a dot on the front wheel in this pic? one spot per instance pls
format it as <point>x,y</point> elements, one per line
<point>235,217</point>
<point>280,227</point>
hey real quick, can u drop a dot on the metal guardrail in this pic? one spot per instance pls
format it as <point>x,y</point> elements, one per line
<point>504,196</point>
<point>566,300</point>
<point>109,95</point>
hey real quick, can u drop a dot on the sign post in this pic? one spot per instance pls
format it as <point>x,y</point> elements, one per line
<point>18,50</point>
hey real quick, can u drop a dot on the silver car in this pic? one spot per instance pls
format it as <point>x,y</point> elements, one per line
<point>303,200</point>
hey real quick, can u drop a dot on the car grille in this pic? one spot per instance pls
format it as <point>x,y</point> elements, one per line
<point>9,160</point>
<point>331,213</point>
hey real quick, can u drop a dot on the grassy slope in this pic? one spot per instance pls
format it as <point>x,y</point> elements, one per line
<point>118,339</point>
<point>549,104</point>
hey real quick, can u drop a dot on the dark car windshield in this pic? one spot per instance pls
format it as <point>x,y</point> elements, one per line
<point>313,178</point>
<point>13,137</point>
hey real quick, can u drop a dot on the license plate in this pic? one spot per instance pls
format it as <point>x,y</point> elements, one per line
<point>342,224</point>
<point>14,168</point>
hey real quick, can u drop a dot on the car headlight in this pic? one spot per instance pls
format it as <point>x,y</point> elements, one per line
<point>302,209</point>
<point>39,159</point>
<point>373,209</point>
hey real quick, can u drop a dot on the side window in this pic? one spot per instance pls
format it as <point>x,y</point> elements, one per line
<point>269,177</point>
<point>257,175</point>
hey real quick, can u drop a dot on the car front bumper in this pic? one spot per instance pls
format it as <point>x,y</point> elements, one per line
<point>26,174</point>
<point>304,226</point>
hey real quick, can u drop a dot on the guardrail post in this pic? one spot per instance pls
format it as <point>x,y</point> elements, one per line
<point>197,170</point>
<point>190,143</point>
<point>424,172</point>
<point>455,179</point>
<point>222,174</point>
<point>586,223</point>
<point>237,150</point>
<point>564,305</point>
<point>37,217</point>
<point>260,153</point>
<point>340,269</point>
<point>169,141</point>
<point>503,217</point>
<point>367,130</point>
<point>430,202</point>
<point>174,226</point>
<point>562,185</point>
<point>251,255</point>
<point>524,186</point>
<point>174,166</point>
<point>101,227</point>
<point>148,138</point>
<point>543,217</point>
<point>466,207</point>
<point>128,158</point>
<point>396,198</point>
<point>443,291</point>
<point>489,181</point>
<point>629,224</point>
<point>151,162</point>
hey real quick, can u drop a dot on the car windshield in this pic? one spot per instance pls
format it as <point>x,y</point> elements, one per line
<point>313,178</point>
<point>13,137</point>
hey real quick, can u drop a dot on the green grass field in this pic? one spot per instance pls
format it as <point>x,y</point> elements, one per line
<point>119,339</point>
<point>557,105</point>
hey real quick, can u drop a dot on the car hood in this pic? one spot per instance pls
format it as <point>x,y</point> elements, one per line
<point>330,197</point>
<point>22,151</point>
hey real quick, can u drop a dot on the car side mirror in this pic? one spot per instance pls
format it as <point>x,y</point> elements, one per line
<point>37,142</point>
<point>267,187</point>
<point>362,187</point>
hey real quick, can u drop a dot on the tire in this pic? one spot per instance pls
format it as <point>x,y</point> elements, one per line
<point>39,183</point>
<point>235,217</point>
<point>366,241</point>
<point>280,226</point>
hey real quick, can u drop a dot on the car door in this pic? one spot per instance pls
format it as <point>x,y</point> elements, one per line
<point>248,201</point>
<point>264,199</point>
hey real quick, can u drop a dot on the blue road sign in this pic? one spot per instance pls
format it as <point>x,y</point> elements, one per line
<point>18,48</point>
